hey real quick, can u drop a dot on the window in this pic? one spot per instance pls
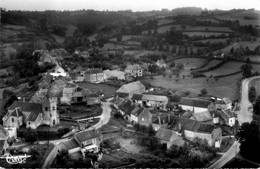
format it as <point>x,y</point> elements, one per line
<point>46,108</point>
<point>12,120</point>
<point>53,108</point>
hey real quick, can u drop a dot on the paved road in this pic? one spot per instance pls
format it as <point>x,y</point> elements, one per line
<point>244,115</point>
<point>231,153</point>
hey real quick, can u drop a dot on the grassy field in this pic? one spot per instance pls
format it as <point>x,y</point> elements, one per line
<point>213,40</point>
<point>254,58</point>
<point>211,63</point>
<point>206,34</point>
<point>92,37</point>
<point>70,30</point>
<point>251,45</point>
<point>189,63</point>
<point>108,90</point>
<point>229,67</point>
<point>164,21</point>
<point>58,39</point>
<point>224,87</point>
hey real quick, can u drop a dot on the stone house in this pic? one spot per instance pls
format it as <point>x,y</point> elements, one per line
<point>134,70</point>
<point>226,117</point>
<point>155,101</point>
<point>94,76</point>
<point>119,75</point>
<point>161,63</point>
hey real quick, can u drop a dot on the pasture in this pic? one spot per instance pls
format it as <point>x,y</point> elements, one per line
<point>223,87</point>
<point>211,64</point>
<point>189,63</point>
<point>165,21</point>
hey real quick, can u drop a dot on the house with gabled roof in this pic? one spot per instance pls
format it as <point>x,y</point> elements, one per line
<point>14,119</point>
<point>188,128</point>
<point>94,76</point>
<point>46,81</point>
<point>196,105</point>
<point>88,140</point>
<point>142,116</point>
<point>134,70</point>
<point>226,117</point>
<point>191,129</point>
<point>161,63</point>
<point>132,88</point>
<point>169,137</point>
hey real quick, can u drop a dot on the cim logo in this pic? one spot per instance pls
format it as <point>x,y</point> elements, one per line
<point>18,159</point>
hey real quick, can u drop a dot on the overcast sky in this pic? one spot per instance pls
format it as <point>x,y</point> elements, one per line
<point>135,5</point>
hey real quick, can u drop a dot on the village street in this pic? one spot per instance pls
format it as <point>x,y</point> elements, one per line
<point>104,118</point>
<point>245,115</point>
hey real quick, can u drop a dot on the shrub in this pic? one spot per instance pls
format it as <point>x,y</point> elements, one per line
<point>203,92</point>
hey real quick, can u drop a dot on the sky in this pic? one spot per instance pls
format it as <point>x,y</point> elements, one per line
<point>135,5</point>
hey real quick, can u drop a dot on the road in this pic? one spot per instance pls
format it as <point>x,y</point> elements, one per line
<point>231,153</point>
<point>104,118</point>
<point>244,115</point>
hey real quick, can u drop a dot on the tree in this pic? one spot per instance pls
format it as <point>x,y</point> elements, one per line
<point>172,64</point>
<point>257,106</point>
<point>175,98</point>
<point>153,68</point>
<point>119,37</point>
<point>249,137</point>
<point>30,135</point>
<point>203,92</point>
<point>252,94</point>
<point>246,70</point>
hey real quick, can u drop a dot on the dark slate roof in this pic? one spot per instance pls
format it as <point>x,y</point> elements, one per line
<point>17,113</point>
<point>33,116</point>
<point>225,114</point>
<point>127,107</point>
<point>122,95</point>
<point>139,111</point>
<point>137,97</point>
<point>194,102</point>
<point>86,135</point>
<point>71,144</point>
<point>26,106</point>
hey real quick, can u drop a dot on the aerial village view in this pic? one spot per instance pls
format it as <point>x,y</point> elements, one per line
<point>130,84</point>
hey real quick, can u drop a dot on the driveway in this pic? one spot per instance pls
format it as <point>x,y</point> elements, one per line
<point>244,115</point>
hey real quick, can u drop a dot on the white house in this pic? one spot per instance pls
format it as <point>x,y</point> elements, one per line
<point>119,75</point>
<point>58,71</point>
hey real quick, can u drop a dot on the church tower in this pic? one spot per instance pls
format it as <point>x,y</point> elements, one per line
<point>50,113</point>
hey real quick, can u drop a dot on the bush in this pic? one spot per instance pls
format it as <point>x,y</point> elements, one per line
<point>175,98</point>
<point>203,92</point>
<point>252,94</point>
<point>30,135</point>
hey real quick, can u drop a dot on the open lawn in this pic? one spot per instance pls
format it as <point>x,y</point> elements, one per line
<point>107,89</point>
<point>189,63</point>
<point>229,67</point>
<point>224,87</point>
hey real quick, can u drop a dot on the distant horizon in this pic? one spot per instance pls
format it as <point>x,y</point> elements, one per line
<point>122,5</point>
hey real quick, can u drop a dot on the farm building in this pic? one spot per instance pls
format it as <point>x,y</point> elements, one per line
<point>155,101</point>
<point>132,88</point>
<point>195,105</point>
<point>119,75</point>
<point>94,76</point>
<point>224,117</point>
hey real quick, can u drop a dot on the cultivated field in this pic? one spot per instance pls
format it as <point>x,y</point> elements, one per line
<point>164,21</point>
